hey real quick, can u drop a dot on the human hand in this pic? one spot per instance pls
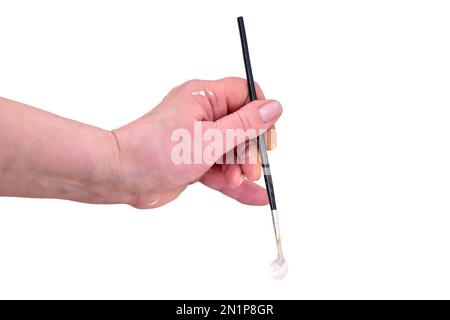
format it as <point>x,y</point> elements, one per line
<point>147,171</point>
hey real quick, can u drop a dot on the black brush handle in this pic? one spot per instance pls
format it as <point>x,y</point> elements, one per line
<point>252,94</point>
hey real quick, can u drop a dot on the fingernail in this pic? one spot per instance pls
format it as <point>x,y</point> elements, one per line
<point>269,111</point>
<point>271,139</point>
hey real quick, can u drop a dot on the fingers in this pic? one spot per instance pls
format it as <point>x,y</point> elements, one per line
<point>233,176</point>
<point>252,119</point>
<point>251,171</point>
<point>248,192</point>
<point>250,162</point>
<point>235,92</point>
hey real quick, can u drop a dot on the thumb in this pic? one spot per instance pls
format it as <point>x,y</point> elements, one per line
<point>253,118</point>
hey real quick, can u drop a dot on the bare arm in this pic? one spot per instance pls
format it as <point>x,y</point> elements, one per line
<point>46,156</point>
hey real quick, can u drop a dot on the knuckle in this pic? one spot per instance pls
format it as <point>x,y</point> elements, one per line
<point>235,79</point>
<point>242,120</point>
<point>190,83</point>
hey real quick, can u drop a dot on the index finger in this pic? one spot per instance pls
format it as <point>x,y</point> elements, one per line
<point>235,92</point>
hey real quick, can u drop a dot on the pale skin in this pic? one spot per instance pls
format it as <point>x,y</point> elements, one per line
<point>43,155</point>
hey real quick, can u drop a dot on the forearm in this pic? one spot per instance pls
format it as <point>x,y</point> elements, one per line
<point>46,156</point>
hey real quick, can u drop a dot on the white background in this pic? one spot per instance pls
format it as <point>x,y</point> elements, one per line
<point>361,172</point>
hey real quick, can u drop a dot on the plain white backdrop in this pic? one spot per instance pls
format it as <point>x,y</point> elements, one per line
<point>361,173</point>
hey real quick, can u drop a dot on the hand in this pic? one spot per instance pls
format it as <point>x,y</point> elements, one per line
<point>145,161</point>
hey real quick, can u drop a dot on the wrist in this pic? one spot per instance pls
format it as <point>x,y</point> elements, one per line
<point>135,159</point>
<point>100,177</point>
<point>113,184</point>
